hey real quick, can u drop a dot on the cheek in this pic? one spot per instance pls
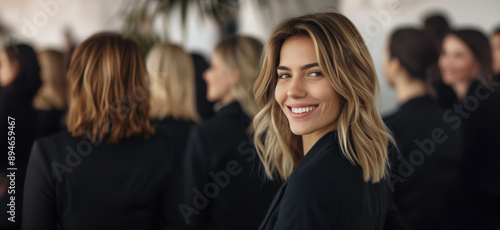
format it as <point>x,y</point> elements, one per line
<point>328,96</point>
<point>496,55</point>
<point>468,67</point>
<point>6,72</point>
<point>334,104</point>
<point>280,94</point>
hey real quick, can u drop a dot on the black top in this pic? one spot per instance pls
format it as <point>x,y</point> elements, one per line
<point>479,115</point>
<point>49,122</point>
<point>178,130</point>
<point>75,184</point>
<point>224,183</point>
<point>425,174</point>
<point>326,191</point>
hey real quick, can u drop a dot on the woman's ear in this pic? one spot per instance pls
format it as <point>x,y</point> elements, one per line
<point>395,65</point>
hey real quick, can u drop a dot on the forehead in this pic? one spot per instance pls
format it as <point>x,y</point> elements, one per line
<point>453,42</point>
<point>297,50</point>
<point>495,37</point>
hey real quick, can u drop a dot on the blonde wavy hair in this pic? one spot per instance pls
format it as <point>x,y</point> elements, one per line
<point>242,53</point>
<point>171,81</point>
<point>109,97</point>
<point>348,67</point>
<point>53,93</point>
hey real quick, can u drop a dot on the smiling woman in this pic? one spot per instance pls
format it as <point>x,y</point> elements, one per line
<point>312,114</point>
<point>319,128</point>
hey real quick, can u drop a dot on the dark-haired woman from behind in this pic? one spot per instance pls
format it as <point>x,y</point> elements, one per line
<point>466,66</point>
<point>110,169</point>
<point>425,169</point>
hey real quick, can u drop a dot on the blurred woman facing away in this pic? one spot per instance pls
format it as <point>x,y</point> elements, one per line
<point>173,99</point>
<point>109,170</point>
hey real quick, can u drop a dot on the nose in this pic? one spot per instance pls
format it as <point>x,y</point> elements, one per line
<point>296,88</point>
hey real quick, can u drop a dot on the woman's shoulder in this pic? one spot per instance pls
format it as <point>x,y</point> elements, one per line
<point>62,142</point>
<point>333,165</point>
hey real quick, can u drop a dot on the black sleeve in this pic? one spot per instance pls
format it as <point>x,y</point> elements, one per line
<point>310,202</point>
<point>196,165</point>
<point>39,209</point>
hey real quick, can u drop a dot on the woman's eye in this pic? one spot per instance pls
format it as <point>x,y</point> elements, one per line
<point>315,74</point>
<point>284,75</point>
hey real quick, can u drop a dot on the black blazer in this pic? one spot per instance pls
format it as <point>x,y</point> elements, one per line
<point>224,184</point>
<point>479,115</point>
<point>178,130</point>
<point>75,184</point>
<point>326,191</point>
<point>425,171</point>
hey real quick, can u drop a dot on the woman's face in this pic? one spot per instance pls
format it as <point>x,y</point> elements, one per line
<point>389,66</point>
<point>495,51</point>
<point>309,102</point>
<point>457,62</point>
<point>8,70</point>
<point>220,82</point>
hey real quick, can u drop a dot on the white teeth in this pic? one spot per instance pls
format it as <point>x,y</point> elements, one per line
<point>303,109</point>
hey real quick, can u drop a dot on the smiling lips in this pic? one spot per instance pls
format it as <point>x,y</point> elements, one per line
<point>301,111</point>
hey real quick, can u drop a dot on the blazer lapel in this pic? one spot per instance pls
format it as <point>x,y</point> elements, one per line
<point>276,201</point>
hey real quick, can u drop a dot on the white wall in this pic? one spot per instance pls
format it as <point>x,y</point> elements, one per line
<point>41,22</point>
<point>375,19</point>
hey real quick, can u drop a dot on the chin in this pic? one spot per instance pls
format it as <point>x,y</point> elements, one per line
<point>299,131</point>
<point>448,81</point>
<point>211,98</point>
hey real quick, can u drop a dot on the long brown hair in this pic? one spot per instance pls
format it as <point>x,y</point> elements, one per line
<point>346,62</point>
<point>109,90</point>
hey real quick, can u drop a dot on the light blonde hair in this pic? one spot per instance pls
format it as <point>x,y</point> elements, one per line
<point>53,93</point>
<point>171,78</point>
<point>242,53</point>
<point>347,65</point>
<point>109,90</point>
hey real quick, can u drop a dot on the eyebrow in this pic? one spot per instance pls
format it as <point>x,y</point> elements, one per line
<point>304,67</point>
